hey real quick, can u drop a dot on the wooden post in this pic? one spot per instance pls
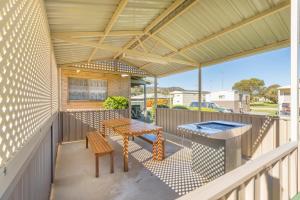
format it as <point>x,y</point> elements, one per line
<point>295,30</point>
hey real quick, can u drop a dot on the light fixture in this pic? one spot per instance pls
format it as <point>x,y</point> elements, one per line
<point>145,58</point>
<point>78,70</point>
<point>124,75</point>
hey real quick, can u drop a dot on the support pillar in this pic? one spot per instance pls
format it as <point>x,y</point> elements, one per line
<point>155,99</point>
<point>295,7</point>
<point>145,102</point>
<point>200,91</point>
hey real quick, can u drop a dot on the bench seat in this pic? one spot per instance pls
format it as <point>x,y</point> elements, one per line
<point>152,139</point>
<point>100,147</point>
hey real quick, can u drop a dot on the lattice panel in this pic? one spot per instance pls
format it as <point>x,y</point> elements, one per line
<point>112,65</point>
<point>208,161</point>
<point>54,84</point>
<point>25,76</point>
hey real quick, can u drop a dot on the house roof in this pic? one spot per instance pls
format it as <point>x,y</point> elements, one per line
<point>189,92</point>
<point>151,96</point>
<point>165,37</point>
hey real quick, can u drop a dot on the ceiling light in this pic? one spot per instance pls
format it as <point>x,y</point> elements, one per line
<point>78,70</point>
<point>124,75</point>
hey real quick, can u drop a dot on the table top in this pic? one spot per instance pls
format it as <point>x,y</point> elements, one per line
<point>136,129</point>
<point>112,123</point>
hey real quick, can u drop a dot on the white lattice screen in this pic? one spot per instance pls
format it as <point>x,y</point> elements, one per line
<point>28,75</point>
<point>113,65</point>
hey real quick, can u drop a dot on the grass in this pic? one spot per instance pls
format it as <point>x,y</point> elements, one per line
<point>264,108</point>
<point>264,104</point>
<point>202,109</point>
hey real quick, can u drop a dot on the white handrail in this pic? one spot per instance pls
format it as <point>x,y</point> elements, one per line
<point>232,180</point>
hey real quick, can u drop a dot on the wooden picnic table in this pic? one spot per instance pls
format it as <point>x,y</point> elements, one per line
<point>128,127</point>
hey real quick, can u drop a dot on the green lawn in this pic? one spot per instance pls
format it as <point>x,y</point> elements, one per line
<point>264,104</point>
<point>264,108</point>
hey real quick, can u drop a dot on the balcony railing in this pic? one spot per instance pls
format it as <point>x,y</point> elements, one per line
<point>271,176</point>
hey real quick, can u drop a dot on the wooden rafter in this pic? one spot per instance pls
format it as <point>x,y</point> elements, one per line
<point>110,24</point>
<point>156,21</point>
<point>97,34</point>
<point>130,52</point>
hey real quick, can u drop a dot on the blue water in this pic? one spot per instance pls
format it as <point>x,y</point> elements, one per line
<point>216,126</point>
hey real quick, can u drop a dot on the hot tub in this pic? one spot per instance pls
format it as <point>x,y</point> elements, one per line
<point>216,146</point>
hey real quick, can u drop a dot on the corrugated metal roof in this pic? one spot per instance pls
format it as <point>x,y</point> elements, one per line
<point>201,32</point>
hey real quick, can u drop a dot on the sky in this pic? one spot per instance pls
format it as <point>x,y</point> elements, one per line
<point>273,67</point>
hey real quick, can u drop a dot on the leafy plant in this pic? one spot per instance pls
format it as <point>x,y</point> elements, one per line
<point>116,102</point>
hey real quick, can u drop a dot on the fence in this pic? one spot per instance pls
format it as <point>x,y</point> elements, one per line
<point>75,124</point>
<point>266,134</point>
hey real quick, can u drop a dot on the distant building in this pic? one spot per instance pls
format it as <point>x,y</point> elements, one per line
<point>186,97</point>
<point>234,100</point>
<point>284,100</point>
<point>139,99</point>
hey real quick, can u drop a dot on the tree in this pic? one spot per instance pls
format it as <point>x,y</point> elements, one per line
<point>271,93</point>
<point>254,87</point>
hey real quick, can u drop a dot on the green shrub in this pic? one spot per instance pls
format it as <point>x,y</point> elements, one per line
<point>162,106</point>
<point>116,102</point>
<point>180,107</point>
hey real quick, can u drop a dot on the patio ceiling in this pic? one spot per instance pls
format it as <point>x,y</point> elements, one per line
<point>165,37</point>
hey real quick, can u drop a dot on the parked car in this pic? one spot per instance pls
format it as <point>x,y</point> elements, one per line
<point>211,105</point>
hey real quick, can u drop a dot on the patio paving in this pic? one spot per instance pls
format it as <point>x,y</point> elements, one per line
<point>146,179</point>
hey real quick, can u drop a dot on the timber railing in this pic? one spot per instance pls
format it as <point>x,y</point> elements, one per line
<point>76,123</point>
<point>270,176</point>
<point>266,133</point>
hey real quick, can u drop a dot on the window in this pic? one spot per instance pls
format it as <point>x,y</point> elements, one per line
<point>87,89</point>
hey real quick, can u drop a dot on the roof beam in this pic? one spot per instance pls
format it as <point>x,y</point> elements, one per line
<point>275,45</point>
<point>152,24</point>
<point>97,34</point>
<point>110,24</point>
<point>229,29</point>
<point>141,44</point>
<point>127,51</point>
<point>238,25</point>
<point>171,47</point>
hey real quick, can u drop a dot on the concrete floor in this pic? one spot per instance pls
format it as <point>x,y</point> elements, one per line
<point>146,179</point>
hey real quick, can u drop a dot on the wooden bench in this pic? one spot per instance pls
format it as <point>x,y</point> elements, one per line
<point>151,139</point>
<point>100,147</point>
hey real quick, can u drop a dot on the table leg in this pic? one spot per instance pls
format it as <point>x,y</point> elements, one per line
<point>159,146</point>
<point>125,152</point>
<point>97,165</point>
<point>154,151</point>
<point>103,128</point>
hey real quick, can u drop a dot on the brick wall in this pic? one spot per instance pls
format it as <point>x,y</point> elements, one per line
<point>117,86</point>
